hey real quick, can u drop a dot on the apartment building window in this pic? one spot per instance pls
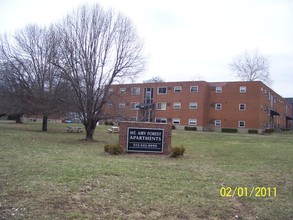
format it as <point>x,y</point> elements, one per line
<point>133,119</point>
<point>122,90</point>
<point>122,105</point>
<point>192,121</point>
<point>161,106</point>
<point>148,95</point>
<point>218,106</point>
<point>193,105</point>
<point>242,89</point>
<point>111,90</point>
<point>242,107</point>
<point>241,124</point>
<point>161,120</point>
<point>134,105</point>
<point>177,105</point>
<point>110,104</point>
<point>177,89</point>
<point>176,121</point>
<point>194,89</point>
<point>135,91</point>
<point>219,89</point>
<point>218,123</point>
<point>162,90</point>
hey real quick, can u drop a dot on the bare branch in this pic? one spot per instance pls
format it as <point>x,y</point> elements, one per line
<point>29,53</point>
<point>251,66</point>
<point>98,48</point>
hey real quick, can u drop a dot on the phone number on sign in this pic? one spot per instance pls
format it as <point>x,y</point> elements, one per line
<point>248,192</point>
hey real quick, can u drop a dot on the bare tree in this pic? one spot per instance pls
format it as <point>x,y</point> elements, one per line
<point>155,79</point>
<point>251,66</point>
<point>98,47</point>
<point>29,55</point>
<point>10,94</point>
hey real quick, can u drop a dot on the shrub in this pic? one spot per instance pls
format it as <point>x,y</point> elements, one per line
<point>252,131</point>
<point>109,123</point>
<point>269,130</point>
<point>11,117</point>
<point>177,151</point>
<point>229,130</point>
<point>188,128</point>
<point>113,149</point>
<point>173,127</point>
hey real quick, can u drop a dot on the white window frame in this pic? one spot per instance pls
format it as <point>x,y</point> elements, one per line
<point>192,121</point>
<point>218,106</point>
<point>133,118</point>
<point>122,104</point>
<point>218,123</point>
<point>162,93</point>
<point>239,124</point>
<point>193,105</point>
<point>219,89</point>
<point>135,91</point>
<point>242,104</point>
<point>177,105</point>
<point>122,90</point>
<point>242,89</point>
<point>134,104</point>
<point>177,89</point>
<point>161,120</point>
<point>161,103</point>
<point>194,89</point>
<point>176,121</point>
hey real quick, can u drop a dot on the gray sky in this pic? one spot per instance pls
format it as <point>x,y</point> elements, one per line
<point>188,39</point>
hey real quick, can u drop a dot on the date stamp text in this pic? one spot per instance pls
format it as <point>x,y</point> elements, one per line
<point>248,192</point>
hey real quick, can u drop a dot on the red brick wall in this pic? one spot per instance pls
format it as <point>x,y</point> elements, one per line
<point>256,115</point>
<point>231,98</point>
<point>166,127</point>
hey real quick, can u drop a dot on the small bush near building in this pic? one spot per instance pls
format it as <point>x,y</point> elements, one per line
<point>113,149</point>
<point>177,151</point>
<point>109,123</point>
<point>188,128</point>
<point>269,130</point>
<point>229,130</point>
<point>173,127</point>
<point>252,131</point>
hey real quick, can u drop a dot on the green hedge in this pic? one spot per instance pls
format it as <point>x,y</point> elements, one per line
<point>188,128</point>
<point>229,130</point>
<point>253,131</point>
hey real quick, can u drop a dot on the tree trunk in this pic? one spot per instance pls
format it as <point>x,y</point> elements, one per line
<point>19,119</point>
<point>90,130</point>
<point>45,123</point>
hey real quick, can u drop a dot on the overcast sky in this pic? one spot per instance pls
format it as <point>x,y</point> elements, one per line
<point>188,39</point>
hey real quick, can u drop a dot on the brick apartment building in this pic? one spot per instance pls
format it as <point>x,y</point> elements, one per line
<point>206,105</point>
